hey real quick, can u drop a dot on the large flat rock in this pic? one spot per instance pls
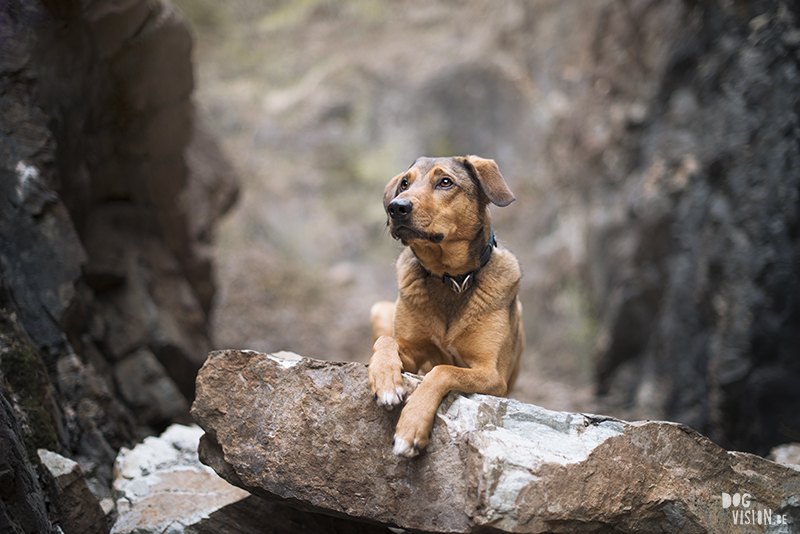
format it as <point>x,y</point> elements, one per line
<point>306,432</point>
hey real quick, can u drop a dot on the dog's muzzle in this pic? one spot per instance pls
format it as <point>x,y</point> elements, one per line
<point>402,227</point>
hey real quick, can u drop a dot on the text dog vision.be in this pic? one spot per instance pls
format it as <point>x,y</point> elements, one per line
<point>743,514</point>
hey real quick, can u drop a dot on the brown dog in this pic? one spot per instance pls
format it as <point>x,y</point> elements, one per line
<point>457,318</point>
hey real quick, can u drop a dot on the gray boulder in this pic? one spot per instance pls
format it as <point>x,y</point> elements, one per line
<point>306,432</point>
<point>78,509</point>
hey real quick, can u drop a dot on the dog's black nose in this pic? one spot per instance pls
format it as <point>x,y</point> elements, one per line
<point>399,208</point>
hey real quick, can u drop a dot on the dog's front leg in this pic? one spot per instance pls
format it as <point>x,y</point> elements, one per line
<point>416,421</point>
<point>385,372</point>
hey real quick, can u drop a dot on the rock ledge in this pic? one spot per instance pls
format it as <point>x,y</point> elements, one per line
<point>306,432</point>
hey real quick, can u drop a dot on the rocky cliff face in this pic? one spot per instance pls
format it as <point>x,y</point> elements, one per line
<point>109,190</point>
<point>698,276</point>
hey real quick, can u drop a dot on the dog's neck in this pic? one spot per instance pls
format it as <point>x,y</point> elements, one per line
<point>456,262</point>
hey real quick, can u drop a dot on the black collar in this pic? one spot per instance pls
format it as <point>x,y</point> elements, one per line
<point>462,282</point>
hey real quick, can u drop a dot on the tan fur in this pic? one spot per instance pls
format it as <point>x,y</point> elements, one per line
<point>469,342</point>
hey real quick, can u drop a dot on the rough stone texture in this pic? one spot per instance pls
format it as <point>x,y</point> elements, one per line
<point>26,384</point>
<point>78,509</point>
<point>147,389</point>
<point>307,433</point>
<point>95,415</point>
<point>105,273</point>
<point>22,506</point>
<point>655,142</point>
<point>123,140</point>
<point>161,486</point>
<point>33,218</point>
<point>698,280</point>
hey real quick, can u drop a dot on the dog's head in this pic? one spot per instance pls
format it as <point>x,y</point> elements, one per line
<point>443,199</point>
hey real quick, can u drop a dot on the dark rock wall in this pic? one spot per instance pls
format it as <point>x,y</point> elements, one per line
<point>701,312</point>
<point>22,501</point>
<point>104,231</point>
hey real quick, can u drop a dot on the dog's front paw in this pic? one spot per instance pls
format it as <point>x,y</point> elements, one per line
<point>387,387</point>
<point>385,373</point>
<point>410,443</point>
<point>403,447</point>
<point>388,397</point>
<point>412,432</point>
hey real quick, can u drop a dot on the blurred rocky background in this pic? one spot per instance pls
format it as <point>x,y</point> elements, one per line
<point>652,146</point>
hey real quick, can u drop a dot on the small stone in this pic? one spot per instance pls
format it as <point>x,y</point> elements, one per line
<point>787,454</point>
<point>79,510</point>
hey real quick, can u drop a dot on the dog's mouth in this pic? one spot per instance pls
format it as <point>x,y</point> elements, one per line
<point>407,233</point>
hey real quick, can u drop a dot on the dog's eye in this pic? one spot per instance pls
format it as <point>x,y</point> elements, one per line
<point>403,185</point>
<point>446,183</point>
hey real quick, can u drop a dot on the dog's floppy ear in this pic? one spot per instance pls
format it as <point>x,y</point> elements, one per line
<point>492,182</point>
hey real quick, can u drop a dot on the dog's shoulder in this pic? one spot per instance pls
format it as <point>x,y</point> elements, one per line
<point>505,264</point>
<point>498,282</point>
<point>502,270</point>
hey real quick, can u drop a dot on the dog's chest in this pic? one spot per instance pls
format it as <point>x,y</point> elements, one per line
<point>439,322</point>
<point>449,353</point>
